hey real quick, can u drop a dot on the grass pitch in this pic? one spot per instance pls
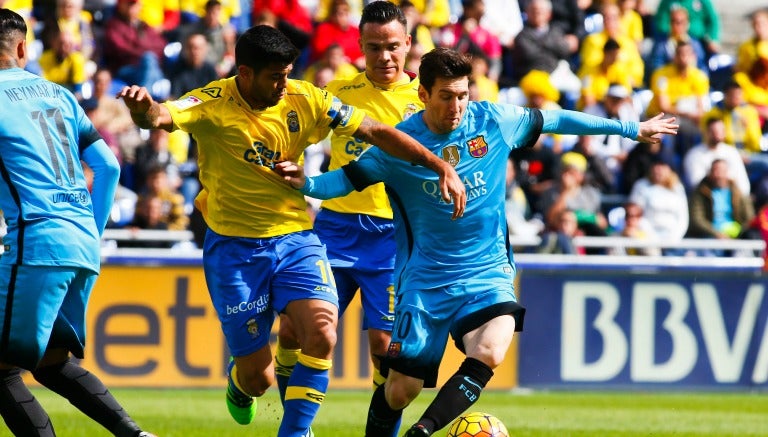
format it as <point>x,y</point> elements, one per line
<point>191,413</point>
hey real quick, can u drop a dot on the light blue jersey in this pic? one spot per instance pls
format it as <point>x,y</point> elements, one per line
<point>433,250</point>
<point>453,276</point>
<point>43,192</point>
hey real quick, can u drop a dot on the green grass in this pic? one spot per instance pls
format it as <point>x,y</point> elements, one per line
<point>189,413</point>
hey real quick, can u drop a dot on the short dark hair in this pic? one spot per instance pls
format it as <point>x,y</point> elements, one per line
<point>262,45</point>
<point>611,44</point>
<point>12,29</point>
<point>443,63</point>
<point>381,12</point>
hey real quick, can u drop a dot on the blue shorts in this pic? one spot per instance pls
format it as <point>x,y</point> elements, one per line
<point>425,318</point>
<point>42,307</point>
<point>252,279</point>
<point>361,249</point>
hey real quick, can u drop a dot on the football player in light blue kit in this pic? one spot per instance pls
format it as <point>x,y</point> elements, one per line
<point>52,247</point>
<point>452,276</point>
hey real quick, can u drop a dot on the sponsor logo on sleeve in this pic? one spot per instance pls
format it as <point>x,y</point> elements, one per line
<point>187,102</point>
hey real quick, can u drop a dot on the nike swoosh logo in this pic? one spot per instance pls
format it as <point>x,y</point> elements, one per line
<point>466,378</point>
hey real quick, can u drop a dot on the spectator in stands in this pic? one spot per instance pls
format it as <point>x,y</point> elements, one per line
<point>289,16</point>
<point>759,226</point>
<point>487,89</point>
<point>612,150</point>
<point>468,36</point>
<point>220,36</point>
<point>597,174</point>
<point>193,10</point>
<point>132,49</point>
<point>61,63</point>
<point>335,60</point>
<point>718,209</point>
<point>71,18</point>
<point>112,115</point>
<point>535,171</point>
<point>541,46</point>
<point>421,35</point>
<point>636,227</point>
<point>503,20</point>
<point>558,237</point>
<point>742,129</point>
<point>697,162</point>
<point>192,69</point>
<point>664,45</point>
<point>632,21</point>
<point>596,79</point>
<point>516,207</point>
<point>337,29</point>
<point>435,13</point>
<point>754,82</point>
<point>638,164</point>
<point>159,205</point>
<point>571,193</point>
<point>567,15</point>
<point>705,22</point>
<point>629,55</point>
<point>154,153</point>
<point>662,197</point>
<point>89,107</point>
<point>682,90</point>
<point>747,52</point>
<point>161,15</point>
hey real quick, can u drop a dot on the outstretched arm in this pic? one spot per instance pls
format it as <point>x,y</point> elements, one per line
<point>325,186</point>
<point>401,145</point>
<point>145,111</point>
<point>579,123</point>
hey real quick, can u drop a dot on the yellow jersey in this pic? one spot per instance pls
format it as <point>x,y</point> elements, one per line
<point>389,105</point>
<point>681,90</point>
<point>238,146</point>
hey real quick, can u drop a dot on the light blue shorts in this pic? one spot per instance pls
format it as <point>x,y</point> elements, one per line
<point>42,307</point>
<point>425,318</point>
<point>250,280</point>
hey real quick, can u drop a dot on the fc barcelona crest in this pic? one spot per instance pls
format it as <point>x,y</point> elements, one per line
<point>477,147</point>
<point>451,154</point>
<point>293,121</point>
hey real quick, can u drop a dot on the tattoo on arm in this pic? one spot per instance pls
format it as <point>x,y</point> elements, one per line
<point>365,130</point>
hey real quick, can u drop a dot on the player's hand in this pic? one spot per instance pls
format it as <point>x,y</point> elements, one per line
<point>292,173</point>
<point>453,190</point>
<point>137,99</point>
<point>652,129</point>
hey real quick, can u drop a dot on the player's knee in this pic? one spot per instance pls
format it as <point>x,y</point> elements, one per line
<point>320,342</point>
<point>257,383</point>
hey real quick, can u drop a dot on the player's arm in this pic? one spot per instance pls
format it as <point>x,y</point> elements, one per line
<point>328,185</point>
<point>145,111</point>
<point>579,123</point>
<point>106,174</point>
<point>402,146</point>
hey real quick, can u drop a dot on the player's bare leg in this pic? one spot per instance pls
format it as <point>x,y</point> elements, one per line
<point>248,376</point>
<point>485,348</point>
<point>313,322</point>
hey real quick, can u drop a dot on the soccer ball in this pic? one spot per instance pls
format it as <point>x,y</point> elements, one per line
<point>477,424</point>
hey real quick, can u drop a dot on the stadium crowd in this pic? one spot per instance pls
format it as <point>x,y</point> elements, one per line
<point>612,58</point>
